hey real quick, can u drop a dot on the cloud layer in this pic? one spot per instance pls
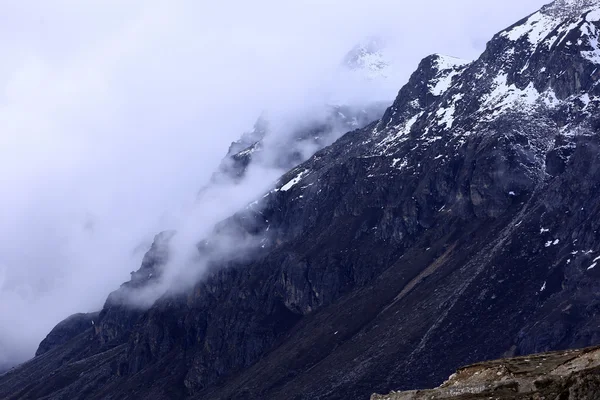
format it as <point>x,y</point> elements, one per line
<point>113,114</point>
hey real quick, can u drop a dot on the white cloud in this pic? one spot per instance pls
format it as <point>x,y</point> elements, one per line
<point>114,113</point>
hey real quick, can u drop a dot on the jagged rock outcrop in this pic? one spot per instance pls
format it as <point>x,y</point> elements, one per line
<point>462,226</point>
<point>67,330</point>
<point>565,375</point>
<point>290,148</point>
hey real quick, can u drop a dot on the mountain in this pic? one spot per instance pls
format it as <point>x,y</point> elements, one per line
<point>462,226</point>
<point>286,148</point>
<point>368,59</point>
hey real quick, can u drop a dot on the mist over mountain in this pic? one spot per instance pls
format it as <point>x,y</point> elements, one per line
<point>115,115</point>
<point>282,142</point>
<point>319,221</point>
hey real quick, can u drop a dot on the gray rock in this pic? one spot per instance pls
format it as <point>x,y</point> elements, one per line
<point>67,330</point>
<point>568,375</point>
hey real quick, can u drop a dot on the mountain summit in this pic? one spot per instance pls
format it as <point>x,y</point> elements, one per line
<point>568,8</point>
<point>302,136</point>
<point>368,59</point>
<point>461,226</point>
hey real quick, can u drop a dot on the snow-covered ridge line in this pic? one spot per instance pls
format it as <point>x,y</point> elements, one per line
<point>504,96</point>
<point>538,26</point>
<point>569,8</point>
<point>519,78</point>
<point>448,68</point>
<point>292,182</point>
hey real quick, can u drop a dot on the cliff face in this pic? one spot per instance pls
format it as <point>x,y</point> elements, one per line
<point>461,226</point>
<point>67,330</point>
<point>568,375</point>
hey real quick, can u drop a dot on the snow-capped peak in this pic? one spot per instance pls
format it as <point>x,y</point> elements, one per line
<point>368,58</point>
<point>544,63</point>
<point>448,62</point>
<point>569,8</point>
<point>541,24</point>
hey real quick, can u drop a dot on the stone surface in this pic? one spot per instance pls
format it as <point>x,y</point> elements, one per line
<point>565,375</point>
<point>67,330</point>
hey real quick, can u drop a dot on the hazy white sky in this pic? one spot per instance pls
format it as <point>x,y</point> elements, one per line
<point>114,113</point>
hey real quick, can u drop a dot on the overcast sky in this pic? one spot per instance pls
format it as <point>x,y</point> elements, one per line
<point>114,113</point>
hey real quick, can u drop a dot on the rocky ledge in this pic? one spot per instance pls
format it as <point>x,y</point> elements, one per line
<point>564,375</point>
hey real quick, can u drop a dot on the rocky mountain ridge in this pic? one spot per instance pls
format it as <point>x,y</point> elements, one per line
<point>461,226</point>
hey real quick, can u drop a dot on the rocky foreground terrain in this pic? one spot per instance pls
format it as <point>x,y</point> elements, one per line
<point>565,375</point>
<point>461,226</point>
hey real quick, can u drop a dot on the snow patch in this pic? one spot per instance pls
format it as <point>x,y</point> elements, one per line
<point>446,115</point>
<point>535,28</point>
<point>443,83</point>
<point>447,62</point>
<point>403,163</point>
<point>504,96</point>
<point>593,16</point>
<point>448,67</point>
<point>294,181</point>
<point>585,99</point>
<point>402,130</point>
<point>594,54</point>
<point>248,151</point>
<point>592,266</point>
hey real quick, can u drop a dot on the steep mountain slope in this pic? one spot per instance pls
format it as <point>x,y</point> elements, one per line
<point>461,226</point>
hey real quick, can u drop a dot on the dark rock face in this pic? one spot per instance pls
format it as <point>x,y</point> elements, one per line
<point>67,330</point>
<point>116,318</point>
<point>460,227</point>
